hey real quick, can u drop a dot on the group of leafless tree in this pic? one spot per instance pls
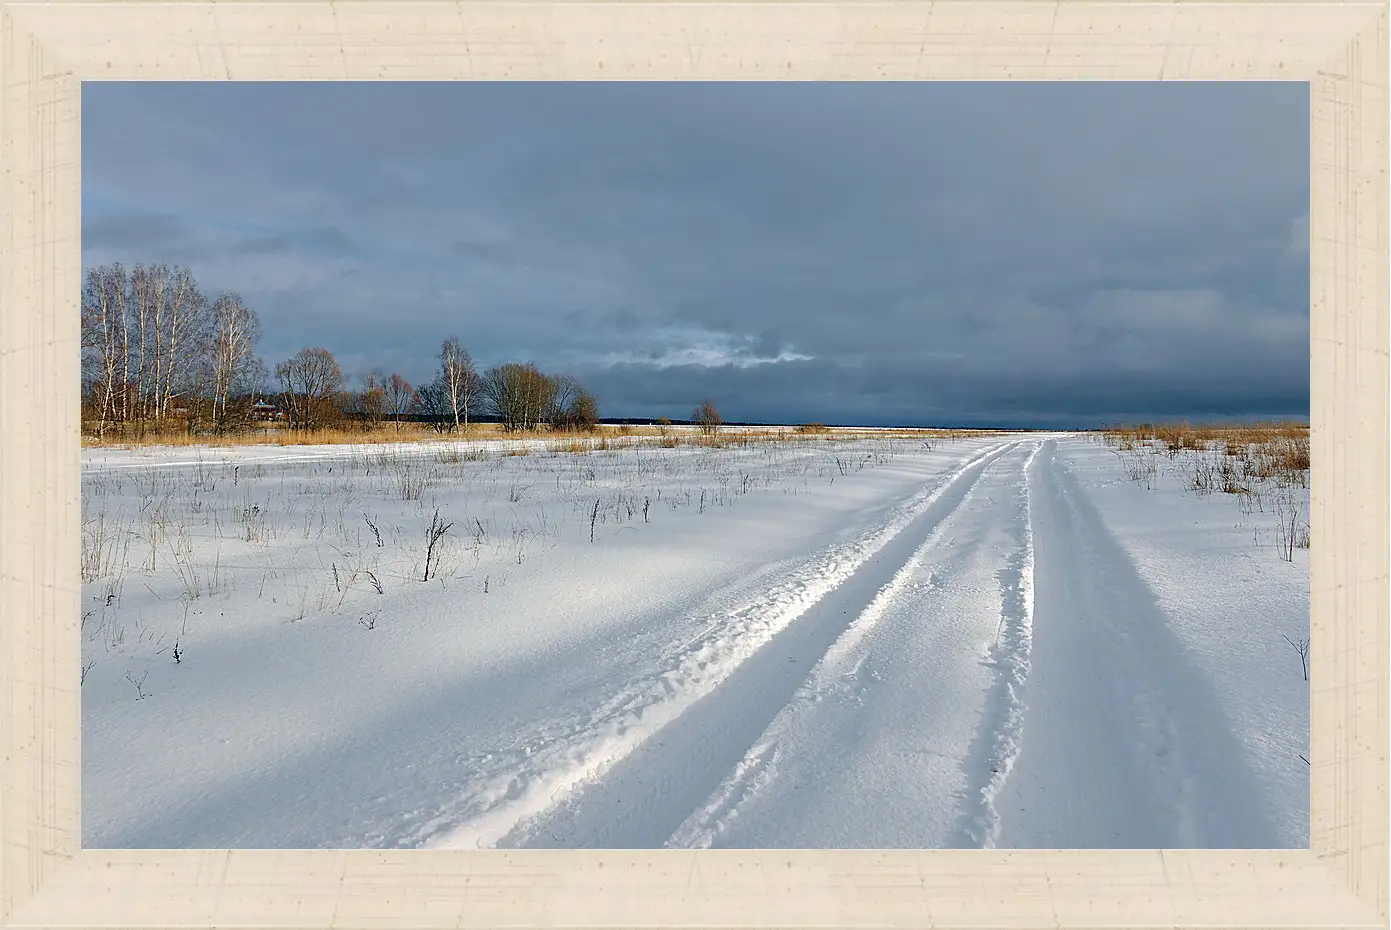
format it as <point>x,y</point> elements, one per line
<point>521,397</point>
<point>158,352</point>
<point>153,345</point>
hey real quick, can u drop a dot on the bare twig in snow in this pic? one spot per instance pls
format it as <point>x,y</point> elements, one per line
<point>432,537</point>
<point>1301,647</point>
<point>138,685</point>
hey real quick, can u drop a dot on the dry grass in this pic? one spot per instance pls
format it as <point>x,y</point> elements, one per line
<point>1227,458</point>
<point>268,436</point>
<point>1180,437</point>
<point>573,442</point>
<point>1265,465</point>
<point>283,436</point>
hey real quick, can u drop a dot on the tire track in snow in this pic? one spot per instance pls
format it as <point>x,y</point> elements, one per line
<point>996,744</point>
<point>557,797</point>
<point>703,827</point>
<point>1129,748</point>
<point>997,748</point>
<point>642,802</point>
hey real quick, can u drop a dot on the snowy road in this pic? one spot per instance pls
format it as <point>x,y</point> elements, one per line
<point>719,746</point>
<point>962,649</point>
<point>897,710</point>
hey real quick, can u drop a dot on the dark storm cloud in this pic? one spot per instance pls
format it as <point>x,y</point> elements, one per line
<point>1049,253</point>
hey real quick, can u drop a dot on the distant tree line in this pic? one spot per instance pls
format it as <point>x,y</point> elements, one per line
<point>313,394</point>
<point>158,353</point>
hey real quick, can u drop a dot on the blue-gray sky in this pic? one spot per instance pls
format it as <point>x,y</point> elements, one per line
<point>1009,253</point>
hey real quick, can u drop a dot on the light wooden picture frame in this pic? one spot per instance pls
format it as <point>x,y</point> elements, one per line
<point>47,49</point>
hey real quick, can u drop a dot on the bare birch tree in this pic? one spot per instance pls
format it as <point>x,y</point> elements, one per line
<point>459,379</point>
<point>171,334</point>
<point>186,340</point>
<point>147,302</point>
<point>235,368</point>
<point>103,331</point>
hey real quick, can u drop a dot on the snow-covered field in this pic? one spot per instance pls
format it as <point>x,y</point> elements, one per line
<point>995,640</point>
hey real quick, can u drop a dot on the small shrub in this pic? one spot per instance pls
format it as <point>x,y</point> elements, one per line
<point>707,418</point>
<point>433,535</point>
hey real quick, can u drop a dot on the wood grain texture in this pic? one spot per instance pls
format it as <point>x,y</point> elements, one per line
<point>47,48</point>
<point>40,271</point>
<point>1348,443</point>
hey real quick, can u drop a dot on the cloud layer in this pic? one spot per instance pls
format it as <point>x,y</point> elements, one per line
<point>1051,254</point>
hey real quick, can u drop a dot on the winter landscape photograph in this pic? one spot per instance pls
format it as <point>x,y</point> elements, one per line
<point>698,465</point>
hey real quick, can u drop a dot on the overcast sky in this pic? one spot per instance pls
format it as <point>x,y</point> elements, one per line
<point>1008,253</point>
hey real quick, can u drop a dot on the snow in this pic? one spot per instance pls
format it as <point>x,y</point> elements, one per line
<point>993,640</point>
